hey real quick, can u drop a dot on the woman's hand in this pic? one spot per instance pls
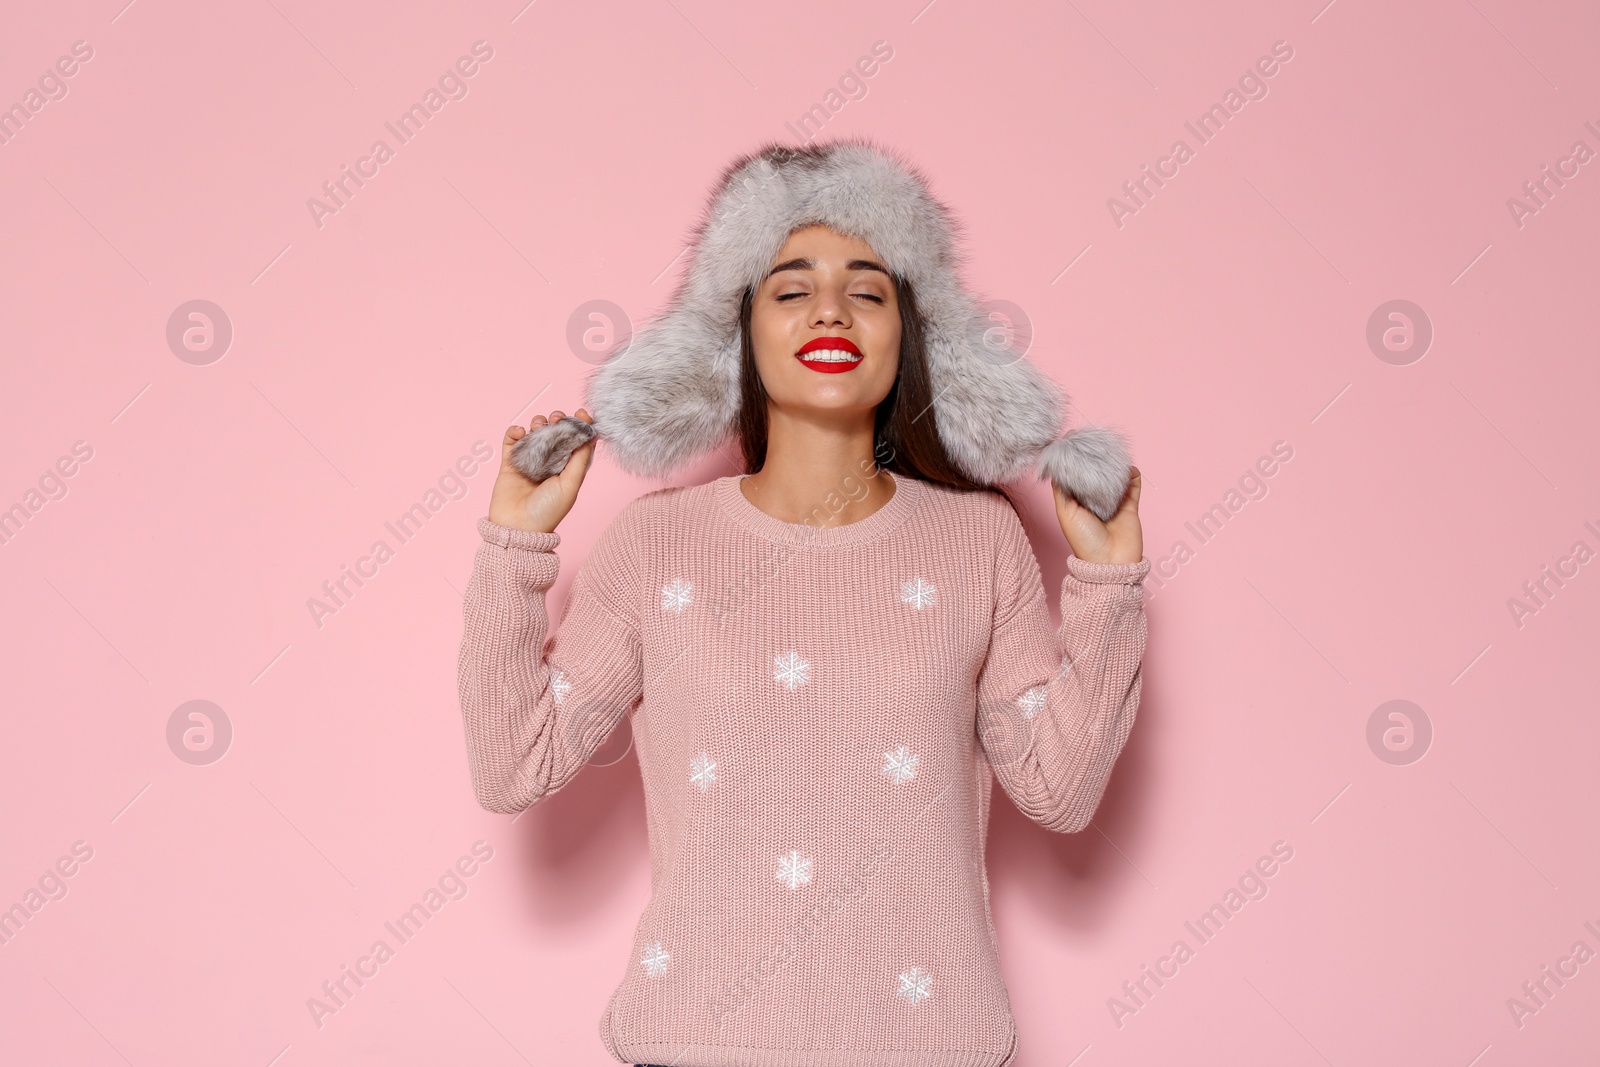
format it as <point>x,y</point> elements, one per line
<point>1119,541</point>
<point>523,504</point>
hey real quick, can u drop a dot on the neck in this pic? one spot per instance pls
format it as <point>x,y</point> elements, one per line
<point>820,473</point>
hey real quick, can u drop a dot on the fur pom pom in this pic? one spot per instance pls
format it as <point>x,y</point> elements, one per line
<point>1091,465</point>
<point>543,452</point>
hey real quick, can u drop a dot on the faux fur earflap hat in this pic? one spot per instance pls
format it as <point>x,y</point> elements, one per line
<point>671,392</point>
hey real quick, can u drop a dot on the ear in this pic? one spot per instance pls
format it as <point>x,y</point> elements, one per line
<point>543,452</point>
<point>1091,465</point>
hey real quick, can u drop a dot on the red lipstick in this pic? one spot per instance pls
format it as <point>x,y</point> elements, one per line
<point>837,354</point>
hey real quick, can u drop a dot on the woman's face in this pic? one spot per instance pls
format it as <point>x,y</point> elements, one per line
<point>831,294</point>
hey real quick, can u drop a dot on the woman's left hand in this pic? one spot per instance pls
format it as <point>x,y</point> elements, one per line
<point>1121,540</point>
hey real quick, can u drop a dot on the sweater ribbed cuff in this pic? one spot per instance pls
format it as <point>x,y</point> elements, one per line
<point>510,537</point>
<point>1108,573</point>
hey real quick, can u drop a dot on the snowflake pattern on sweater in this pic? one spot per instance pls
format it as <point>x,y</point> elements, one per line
<point>923,651</point>
<point>918,593</point>
<point>655,959</point>
<point>791,670</point>
<point>794,869</point>
<point>916,985</point>
<point>1033,701</point>
<point>702,771</point>
<point>900,765</point>
<point>677,595</point>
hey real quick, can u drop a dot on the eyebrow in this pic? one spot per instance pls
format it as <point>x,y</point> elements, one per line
<point>806,264</point>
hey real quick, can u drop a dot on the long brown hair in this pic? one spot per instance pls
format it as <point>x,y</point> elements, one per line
<point>904,441</point>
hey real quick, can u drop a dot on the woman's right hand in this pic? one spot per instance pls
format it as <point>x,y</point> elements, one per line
<point>523,504</point>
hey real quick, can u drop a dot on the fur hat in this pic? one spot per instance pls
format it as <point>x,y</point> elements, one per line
<point>671,392</point>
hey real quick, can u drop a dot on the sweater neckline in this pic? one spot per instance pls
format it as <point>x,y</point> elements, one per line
<point>908,494</point>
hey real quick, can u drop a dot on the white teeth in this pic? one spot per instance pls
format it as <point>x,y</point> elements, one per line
<point>830,355</point>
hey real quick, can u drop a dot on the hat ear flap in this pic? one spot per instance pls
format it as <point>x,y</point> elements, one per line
<point>671,394</point>
<point>994,408</point>
<point>1091,465</point>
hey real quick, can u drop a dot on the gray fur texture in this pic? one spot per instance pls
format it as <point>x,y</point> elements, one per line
<point>543,452</point>
<point>672,392</point>
<point>1091,464</point>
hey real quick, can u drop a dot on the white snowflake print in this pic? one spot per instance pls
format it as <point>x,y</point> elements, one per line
<point>559,686</point>
<point>703,771</point>
<point>916,985</point>
<point>790,669</point>
<point>655,960</point>
<point>677,595</point>
<point>1032,702</point>
<point>794,869</point>
<point>900,765</point>
<point>918,593</point>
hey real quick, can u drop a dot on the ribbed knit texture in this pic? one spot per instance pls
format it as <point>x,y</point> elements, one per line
<point>819,714</point>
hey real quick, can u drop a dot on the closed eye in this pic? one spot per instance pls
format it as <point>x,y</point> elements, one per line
<point>868,296</point>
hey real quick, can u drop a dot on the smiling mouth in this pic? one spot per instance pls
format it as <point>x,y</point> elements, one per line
<point>830,355</point>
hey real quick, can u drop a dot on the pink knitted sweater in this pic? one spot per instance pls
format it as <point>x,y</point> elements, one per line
<point>819,714</point>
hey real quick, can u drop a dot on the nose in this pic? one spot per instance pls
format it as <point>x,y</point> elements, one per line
<point>832,309</point>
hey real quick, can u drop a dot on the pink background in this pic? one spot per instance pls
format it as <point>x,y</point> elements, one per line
<point>370,353</point>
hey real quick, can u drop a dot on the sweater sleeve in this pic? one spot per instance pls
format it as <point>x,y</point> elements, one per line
<point>1054,709</point>
<point>536,705</point>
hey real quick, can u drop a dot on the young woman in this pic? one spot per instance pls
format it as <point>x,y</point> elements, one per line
<point>827,660</point>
